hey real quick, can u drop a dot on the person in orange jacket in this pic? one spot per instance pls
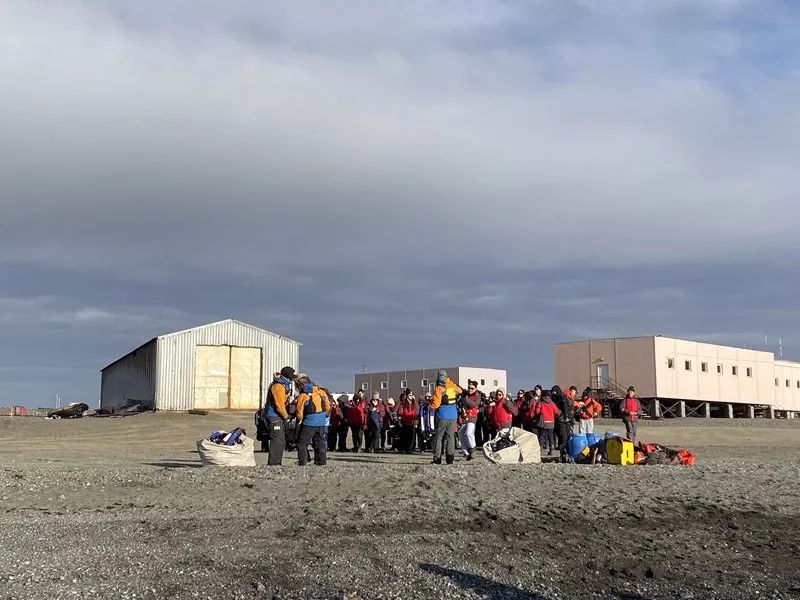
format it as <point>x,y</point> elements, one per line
<point>586,409</point>
<point>276,415</point>
<point>445,405</point>
<point>313,410</point>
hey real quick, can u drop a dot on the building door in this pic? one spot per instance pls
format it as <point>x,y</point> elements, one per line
<point>211,376</point>
<point>603,377</point>
<point>245,378</point>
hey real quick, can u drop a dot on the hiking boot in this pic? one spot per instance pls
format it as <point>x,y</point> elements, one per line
<point>450,458</point>
<point>436,461</point>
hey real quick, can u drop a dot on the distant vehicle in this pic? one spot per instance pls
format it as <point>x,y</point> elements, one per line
<point>72,411</point>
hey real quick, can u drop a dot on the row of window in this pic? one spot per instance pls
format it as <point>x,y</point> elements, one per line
<point>687,365</point>
<point>424,384</point>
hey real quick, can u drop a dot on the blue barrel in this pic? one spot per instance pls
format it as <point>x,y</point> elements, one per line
<point>592,439</point>
<point>576,444</point>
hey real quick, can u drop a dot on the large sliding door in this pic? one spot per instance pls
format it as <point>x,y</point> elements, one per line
<point>227,377</point>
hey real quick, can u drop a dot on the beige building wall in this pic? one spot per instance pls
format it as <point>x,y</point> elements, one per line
<point>669,368</point>
<point>626,361</point>
<point>696,371</point>
<point>786,385</point>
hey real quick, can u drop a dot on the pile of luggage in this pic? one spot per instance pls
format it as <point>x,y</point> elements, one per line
<point>613,449</point>
<point>227,449</point>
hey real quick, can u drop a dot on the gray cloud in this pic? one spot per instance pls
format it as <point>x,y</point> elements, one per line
<point>365,178</point>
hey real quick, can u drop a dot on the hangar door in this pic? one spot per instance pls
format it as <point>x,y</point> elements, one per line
<point>227,377</point>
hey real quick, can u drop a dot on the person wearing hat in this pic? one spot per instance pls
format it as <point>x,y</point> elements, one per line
<point>389,415</point>
<point>445,405</point>
<point>629,408</point>
<point>407,412</point>
<point>276,415</point>
<point>374,424</point>
<point>313,411</point>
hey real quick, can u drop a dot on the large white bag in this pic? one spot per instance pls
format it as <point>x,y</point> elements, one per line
<point>238,455</point>
<point>524,450</point>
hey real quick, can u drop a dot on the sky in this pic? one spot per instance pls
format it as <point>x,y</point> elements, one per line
<point>395,184</point>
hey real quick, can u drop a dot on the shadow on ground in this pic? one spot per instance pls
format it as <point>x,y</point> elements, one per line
<point>491,590</point>
<point>176,464</point>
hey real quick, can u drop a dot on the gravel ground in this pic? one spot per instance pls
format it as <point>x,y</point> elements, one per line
<point>120,508</point>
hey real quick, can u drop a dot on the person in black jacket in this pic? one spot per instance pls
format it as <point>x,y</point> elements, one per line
<point>565,420</point>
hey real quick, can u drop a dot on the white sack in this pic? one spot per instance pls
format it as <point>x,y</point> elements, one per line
<point>238,455</point>
<point>525,451</point>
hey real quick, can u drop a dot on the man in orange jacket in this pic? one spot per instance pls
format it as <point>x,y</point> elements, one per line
<point>445,405</point>
<point>275,413</point>
<point>313,410</point>
<point>586,409</point>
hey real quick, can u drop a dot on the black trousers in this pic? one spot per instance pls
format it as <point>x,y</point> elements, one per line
<point>406,438</point>
<point>358,437</point>
<point>316,437</point>
<point>546,438</point>
<point>333,437</point>
<point>374,439</point>
<point>277,441</point>
<point>563,433</point>
<point>343,429</point>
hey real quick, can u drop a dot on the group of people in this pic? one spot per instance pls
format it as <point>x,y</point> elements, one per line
<point>443,421</point>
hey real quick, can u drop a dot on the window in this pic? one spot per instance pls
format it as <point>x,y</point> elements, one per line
<point>734,370</point>
<point>404,384</point>
<point>687,364</point>
<point>365,386</point>
<point>719,369</point>
<point>384,385</point>
<point>670,363</point>
<point>787,383</point>
<point>424,383</point>
<point>497,383</point>
<point>776,382</point>
<point>798,383</point>
<point>430,387</point>
<point>483,382</point>
<point>704,367</point>
<point>749,372</point>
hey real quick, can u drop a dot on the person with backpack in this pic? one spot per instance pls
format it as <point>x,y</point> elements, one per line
<point>629,408</point>
<point>586,409</point>
<point>357,419</point>
<point>445,404</point>
<point>313,409</point>
<point>426,424</point>
<point>334,426</point>
<point>469,406</point>
<point>546,413</point>
<point>276,415</point>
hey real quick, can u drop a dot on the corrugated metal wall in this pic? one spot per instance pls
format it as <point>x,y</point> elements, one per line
<point>133,377</point>
<point>176,355</point>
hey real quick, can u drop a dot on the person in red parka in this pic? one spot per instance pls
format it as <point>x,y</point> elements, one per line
<point>546,412</point>
<point>357,419</point>
<point>529,418</point>
<point>407,414</point>
<point>504,412</point>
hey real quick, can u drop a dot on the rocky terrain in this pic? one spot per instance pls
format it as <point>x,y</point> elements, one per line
<point>121,508</point>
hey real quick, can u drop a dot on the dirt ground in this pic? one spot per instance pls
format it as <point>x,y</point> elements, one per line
<point>121,508</point>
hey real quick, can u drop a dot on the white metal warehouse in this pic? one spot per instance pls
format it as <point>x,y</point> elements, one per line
<point>223,365</point>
